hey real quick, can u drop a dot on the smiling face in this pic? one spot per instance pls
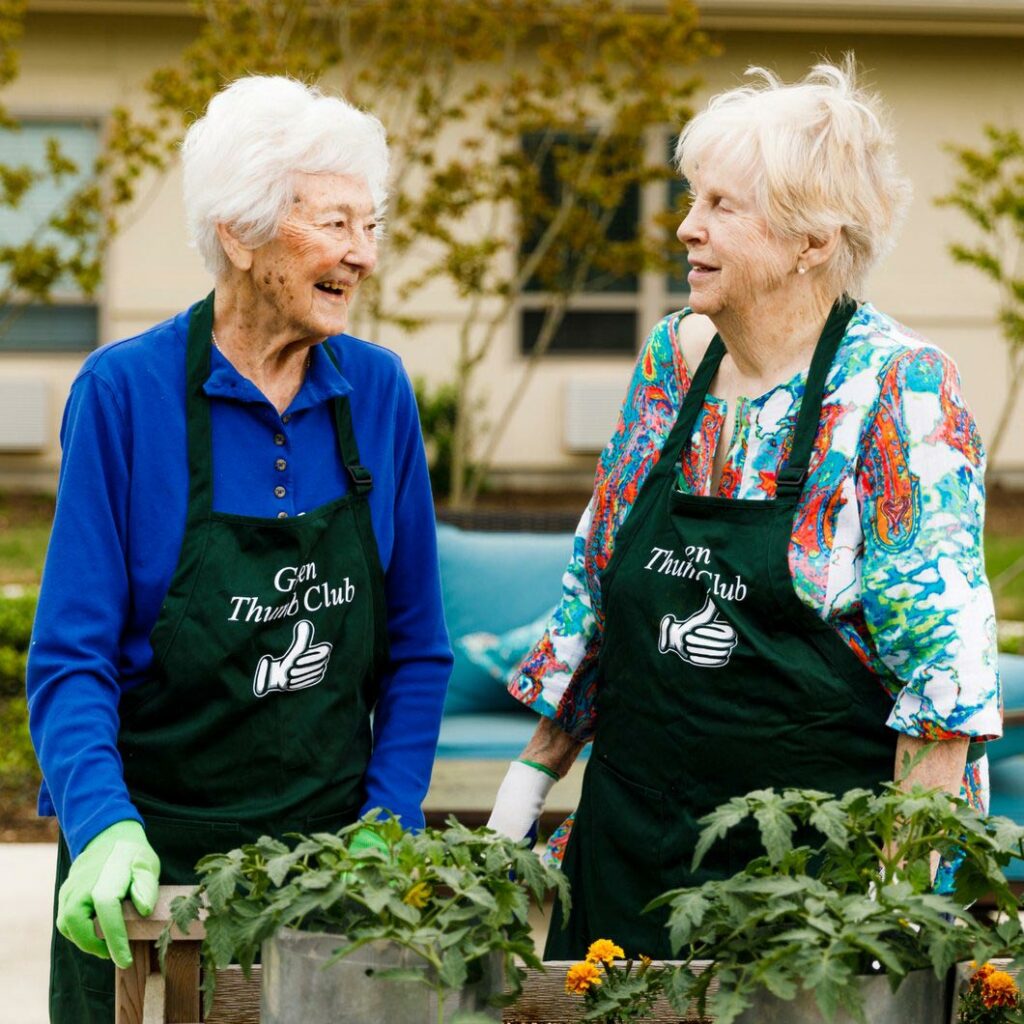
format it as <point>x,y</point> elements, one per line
<point>306,277</point>
<point>737,260</point>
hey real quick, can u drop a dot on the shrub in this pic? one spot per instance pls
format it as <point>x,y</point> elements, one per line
<point>16,614</point>
<point>19,773</point>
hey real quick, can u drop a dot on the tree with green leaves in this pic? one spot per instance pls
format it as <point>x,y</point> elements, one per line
<point>517,130</point>
<point>990,192</point>
<point>556,142</point>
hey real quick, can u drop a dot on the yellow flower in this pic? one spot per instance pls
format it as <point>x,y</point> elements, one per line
<point>418,895</point>
<point>604,951</point>
<point>580,977</point>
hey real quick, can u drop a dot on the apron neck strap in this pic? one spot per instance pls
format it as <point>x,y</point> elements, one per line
<point>791,478</point>
<point>197,410</point>
<point>361,477</point>
<point>692,404</point>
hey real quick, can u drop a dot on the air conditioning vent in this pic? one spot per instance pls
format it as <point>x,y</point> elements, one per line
<point>24,414</point>
<point>591,411</point>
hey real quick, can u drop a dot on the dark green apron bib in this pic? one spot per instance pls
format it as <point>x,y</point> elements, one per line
<point>267,654</point>
<point>715,679</point>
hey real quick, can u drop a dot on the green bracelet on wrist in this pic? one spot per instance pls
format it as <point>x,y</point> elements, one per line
<point>541,768</point>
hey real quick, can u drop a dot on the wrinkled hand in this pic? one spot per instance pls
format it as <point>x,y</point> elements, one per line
<point>303,664</point>
<point>520,800</point>
<point>118,862</point>
<point>703,639</point>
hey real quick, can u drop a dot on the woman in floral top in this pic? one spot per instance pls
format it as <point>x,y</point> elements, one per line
<point>800,596</point>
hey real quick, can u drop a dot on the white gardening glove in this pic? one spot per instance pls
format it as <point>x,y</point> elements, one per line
<point>520,799</point>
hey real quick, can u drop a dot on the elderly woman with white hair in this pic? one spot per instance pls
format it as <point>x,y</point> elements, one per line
<point>243,565</point>
<point>779,579</point>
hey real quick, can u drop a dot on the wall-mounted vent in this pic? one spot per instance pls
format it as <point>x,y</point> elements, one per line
<point>591,411</point>
<point>24,414</point>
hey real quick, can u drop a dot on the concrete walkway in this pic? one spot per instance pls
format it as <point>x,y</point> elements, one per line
<point>26,908</point>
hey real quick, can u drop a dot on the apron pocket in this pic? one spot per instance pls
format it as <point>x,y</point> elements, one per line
<point>620,863</point>
<point>333,822</point>
<point>627,830</point>
<point>181,842</point>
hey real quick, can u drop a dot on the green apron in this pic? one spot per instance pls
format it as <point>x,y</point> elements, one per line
<point>267,655</point>
<point>714,679</point>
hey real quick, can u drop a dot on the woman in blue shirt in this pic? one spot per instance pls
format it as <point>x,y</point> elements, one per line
<point>243,564</point>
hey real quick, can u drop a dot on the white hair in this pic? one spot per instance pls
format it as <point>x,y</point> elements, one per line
<point>820,156</point>
<point>240,157</point>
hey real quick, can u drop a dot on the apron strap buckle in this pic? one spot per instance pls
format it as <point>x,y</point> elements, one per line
<point>362,478</point>
<point>790,481</point>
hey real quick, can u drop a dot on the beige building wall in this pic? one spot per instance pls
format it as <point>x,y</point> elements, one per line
<point>941,80</point>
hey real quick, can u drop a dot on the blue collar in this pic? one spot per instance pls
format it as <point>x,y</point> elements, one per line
<point>324,381</point>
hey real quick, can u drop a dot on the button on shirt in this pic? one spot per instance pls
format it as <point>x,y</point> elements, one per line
<point>118,529</point>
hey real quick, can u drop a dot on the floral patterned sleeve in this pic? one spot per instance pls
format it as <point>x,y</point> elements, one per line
<point>558,677</point>
<point>926,601</point>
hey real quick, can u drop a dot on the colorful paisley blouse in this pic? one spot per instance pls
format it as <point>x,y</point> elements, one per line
<point>887,542</point>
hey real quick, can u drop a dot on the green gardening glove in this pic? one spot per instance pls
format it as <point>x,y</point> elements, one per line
<point>118,862</point>
<point>364,839</point>
<point>367,839</point>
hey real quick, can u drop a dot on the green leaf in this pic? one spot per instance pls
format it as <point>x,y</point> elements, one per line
<point>220,883</point>
<point>829,978</point>
<point>776,829</point>
<point>409,975</point>
<point>453,969</point>
<point>727,1004</point>
<point>716,825</point>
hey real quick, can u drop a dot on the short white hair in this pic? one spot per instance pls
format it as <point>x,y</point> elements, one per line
<point>821,156</point>
<point>239,159</point>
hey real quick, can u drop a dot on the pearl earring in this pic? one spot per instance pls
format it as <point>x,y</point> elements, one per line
<point>801,269</point>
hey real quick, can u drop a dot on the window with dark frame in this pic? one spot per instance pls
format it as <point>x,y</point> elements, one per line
<point>596,328</point>
<point>611,314</point>
<point>70,323</point>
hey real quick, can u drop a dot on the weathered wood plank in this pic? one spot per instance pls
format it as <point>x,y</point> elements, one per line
<point>150,927</point>
<point>545,1001</point>
<point>181,983</point>
<point>237,999</point>
<point>130,986</point>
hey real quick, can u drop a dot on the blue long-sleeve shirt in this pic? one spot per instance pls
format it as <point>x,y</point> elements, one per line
<point>118,528</point>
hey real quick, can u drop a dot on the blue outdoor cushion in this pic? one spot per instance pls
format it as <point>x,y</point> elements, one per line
<point>1011,678</point>
<point>485,736</point>
<point>494,582</point>
<point>1007,780</point>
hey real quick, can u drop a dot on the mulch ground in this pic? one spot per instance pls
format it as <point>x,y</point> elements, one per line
<point>19,822</point>
<point>1004,512</point>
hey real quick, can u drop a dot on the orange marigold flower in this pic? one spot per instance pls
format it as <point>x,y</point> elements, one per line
<point>999,989</point>
<point>980,973</point>
<point>580,977</point>
<point>604,951</point>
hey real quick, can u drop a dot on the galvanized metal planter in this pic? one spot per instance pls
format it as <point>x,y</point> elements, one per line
<point>921,999</point>
<point>298,987</point>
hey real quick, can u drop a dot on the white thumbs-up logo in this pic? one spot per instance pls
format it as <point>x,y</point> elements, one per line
<point>304,664</point>
<point>703,639</point>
